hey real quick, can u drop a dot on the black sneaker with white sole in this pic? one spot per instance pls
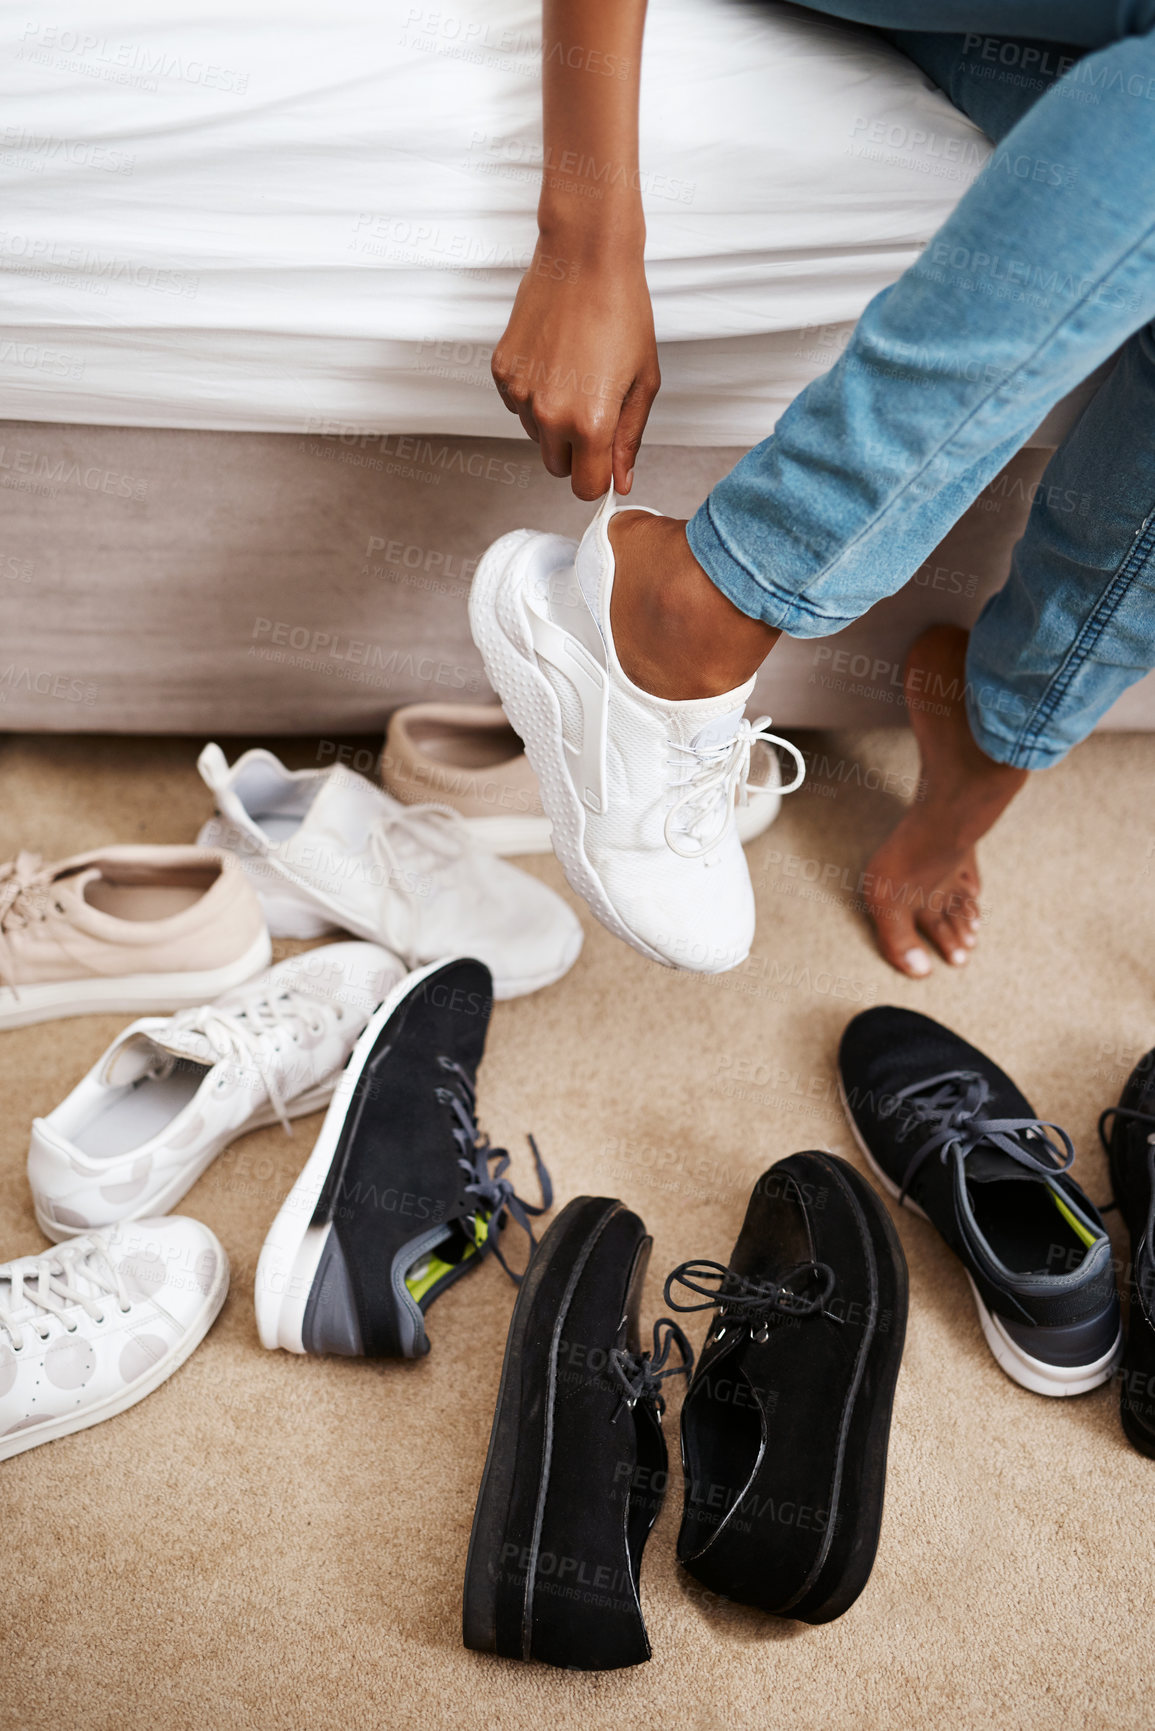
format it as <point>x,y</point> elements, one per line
<point>1128,1134</point>
<point>401,1196</point>
<point>948,1133</point>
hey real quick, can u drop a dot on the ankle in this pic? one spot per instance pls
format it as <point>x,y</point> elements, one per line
<point>676,635</point>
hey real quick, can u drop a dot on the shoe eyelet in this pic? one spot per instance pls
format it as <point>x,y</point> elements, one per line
<point>124,1309</point>
<point>73,1330</point>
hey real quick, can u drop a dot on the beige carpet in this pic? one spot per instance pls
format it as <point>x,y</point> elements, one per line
<point>275,1542</point>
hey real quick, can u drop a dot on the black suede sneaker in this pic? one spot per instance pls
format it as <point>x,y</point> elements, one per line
<point>576,1469</point>
<point>949,1134</point>
<point>401,1196</point>
<point>1131,1156</point>
<point>786,1423</point>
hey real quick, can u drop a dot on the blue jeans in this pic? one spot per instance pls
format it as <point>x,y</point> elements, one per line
<point>1045,269</point>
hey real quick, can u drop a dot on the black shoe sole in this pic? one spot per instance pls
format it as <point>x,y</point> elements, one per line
<point>856,1517</point>
<point>507,1519</point>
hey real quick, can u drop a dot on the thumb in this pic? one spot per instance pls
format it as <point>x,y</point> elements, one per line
<point>631,425</point>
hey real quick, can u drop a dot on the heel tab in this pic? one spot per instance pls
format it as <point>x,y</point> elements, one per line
<point>214,767</point>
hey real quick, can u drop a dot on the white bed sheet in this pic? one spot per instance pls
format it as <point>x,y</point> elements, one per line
<point>297,216</point>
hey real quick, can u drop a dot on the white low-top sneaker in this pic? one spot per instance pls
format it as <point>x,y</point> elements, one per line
<point>90,1328</point>
<point>327,849</point>
<point>640,791</point>
<point>172,1092</point>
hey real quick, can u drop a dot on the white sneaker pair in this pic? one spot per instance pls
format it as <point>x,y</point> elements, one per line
<point>326,849</point>
<point>95,1325</point>
<point>640,791</point>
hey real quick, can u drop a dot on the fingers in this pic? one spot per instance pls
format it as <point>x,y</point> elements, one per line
<point>631,425</point>
<point>594,439</point>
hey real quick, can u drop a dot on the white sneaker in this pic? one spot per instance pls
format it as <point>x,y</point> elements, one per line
<point>640,791</point>
<point>171,1092</point>
<point>91,1327</point>
<point>326,848</point>
<point>467,756</point>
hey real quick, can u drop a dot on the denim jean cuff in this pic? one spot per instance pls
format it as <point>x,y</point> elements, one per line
<point>1006,747</point>
<point>757,597</point>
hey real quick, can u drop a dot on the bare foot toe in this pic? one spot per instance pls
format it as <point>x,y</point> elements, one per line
<point>922,884</point>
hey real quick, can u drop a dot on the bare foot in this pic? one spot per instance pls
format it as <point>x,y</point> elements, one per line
<point>676,635</point>
<point>924,879</point>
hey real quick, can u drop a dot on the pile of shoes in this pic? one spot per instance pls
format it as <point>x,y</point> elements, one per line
<point>387,1031</point>
<point>786,1416</point>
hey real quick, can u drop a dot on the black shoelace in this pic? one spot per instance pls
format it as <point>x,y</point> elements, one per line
<point>487,1184</point>
<point>951,1105</point>
<point>640,1375</point>
<point>752,1304</point>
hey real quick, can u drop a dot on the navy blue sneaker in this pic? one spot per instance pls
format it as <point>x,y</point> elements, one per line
<point>1131,1156</point>
<point>948,1133</point>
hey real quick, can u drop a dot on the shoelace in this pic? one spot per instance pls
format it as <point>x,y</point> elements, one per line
<point>1135,1117</point>
<point>745,1303</point>
<point>640,1375</point>
<point>720,774</point>
<point>439,831</point>
<point>249,1034</point>
<point>953,1103</point>
<point>25,898</point>
<point>54,1292</point>
<point>492,1190</point>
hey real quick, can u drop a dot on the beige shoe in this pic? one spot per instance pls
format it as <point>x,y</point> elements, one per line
<point>125,928</point>
<point>467,756</point>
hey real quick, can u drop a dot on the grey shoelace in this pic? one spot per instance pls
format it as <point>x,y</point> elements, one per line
<point>640,1375</point>
<point>951,1105</point>
<point>489,1186</point>
<point>745,1303</point>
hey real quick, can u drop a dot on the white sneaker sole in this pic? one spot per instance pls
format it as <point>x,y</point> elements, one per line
<point>136,1391</point>
<point>1030,1373</point>
<point>130,994</point>
<point>164,1200</point>
<point>292,1250</point>
<point>497,621</point>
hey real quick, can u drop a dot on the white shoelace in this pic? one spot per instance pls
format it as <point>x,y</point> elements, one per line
<point>54,1291</point>
<point>439,833</point>
<point>25,898</point>
<point>719,774</point>
<point>251,1034</point>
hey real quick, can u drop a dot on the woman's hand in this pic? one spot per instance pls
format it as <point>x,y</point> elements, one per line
<point>578,362</point>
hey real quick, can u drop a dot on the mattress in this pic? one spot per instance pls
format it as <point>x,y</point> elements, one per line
<point>287,217</point>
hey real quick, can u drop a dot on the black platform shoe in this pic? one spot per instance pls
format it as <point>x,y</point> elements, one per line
<point>1131,1156</point>
<point>577,1462</point>
<point>786,1423</point>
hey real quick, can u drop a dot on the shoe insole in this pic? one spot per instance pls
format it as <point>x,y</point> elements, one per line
<point>277,825</point>
<point>140,901</point>
<point>1029,1228</point>
<point>428,1272</point>
<point>134,1115</point>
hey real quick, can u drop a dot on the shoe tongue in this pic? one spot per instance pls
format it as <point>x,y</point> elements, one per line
<point>70,886</point>
<point>136,1056</point>
<point>717,731</point>
<point>991,1166</point>
<point>344,811</point>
